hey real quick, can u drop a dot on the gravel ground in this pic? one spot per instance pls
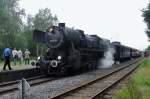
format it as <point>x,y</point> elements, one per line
<point>110,94</point>
<point>17,66</point>
<point>50,89</point>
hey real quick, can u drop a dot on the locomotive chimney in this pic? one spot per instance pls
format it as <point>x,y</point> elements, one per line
<point>116,42</point>
<point>81,31</point>
<point>61,25</point>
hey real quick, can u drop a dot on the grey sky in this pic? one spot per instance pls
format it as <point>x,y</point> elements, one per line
<point>119,20</point>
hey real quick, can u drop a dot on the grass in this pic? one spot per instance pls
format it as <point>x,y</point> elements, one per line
<point>139,85</point>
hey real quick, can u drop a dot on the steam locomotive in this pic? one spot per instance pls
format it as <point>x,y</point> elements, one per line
<point>71,50</point>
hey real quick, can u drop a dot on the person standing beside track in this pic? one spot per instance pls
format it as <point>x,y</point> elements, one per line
<point>20,56</point>
<point>27,56</point>
<point>15,55</point>
<point>7,55</point>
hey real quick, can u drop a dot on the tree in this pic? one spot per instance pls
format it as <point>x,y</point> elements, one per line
<point>148,48</point>
<point>146,15</point>
<point>44,19</point>
<point>10,22</point>
<point>15,33</point>
<point>28,29</point>
<point>41,21</point>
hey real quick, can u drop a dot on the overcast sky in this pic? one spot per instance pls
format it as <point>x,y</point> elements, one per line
<point>117,20</point>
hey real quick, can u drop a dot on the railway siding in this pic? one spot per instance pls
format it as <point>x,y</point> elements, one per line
<point>95,88</point>
<point>56,87</point>
<point>12,86</point>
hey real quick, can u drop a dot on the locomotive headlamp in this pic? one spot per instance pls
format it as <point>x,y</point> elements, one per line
<point>59,57</point>
<point>50,30</point>
<point>39,58</point>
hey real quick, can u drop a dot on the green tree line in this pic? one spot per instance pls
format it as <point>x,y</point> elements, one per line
<point>16,33</point>
<point>146,15</point>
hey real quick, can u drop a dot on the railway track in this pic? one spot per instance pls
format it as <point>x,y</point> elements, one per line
<point>13,85</point>
<point>96,87</point>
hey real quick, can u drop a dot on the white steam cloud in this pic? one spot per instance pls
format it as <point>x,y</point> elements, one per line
<point>108,60</point>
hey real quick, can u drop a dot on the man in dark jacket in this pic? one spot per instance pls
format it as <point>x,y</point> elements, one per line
<point>7,55</point>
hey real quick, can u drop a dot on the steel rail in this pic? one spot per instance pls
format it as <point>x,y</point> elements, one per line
<point>74,88</point>
<point>12,86</point>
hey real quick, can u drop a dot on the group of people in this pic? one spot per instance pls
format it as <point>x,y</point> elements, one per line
<point>16,55</point>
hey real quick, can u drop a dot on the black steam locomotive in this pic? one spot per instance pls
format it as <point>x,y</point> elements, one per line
<point>69,50</point>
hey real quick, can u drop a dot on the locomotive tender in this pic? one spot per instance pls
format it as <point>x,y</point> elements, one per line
<point>70,50</point>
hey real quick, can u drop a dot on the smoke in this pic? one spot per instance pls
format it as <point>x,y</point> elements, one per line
<point>108,60</point>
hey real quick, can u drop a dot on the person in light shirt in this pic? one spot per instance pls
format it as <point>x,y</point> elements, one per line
<point>20,57</point>
<point>15,56</point>
<point>27,57</point>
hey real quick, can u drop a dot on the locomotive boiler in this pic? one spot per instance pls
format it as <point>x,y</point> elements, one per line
<point>69,50</point>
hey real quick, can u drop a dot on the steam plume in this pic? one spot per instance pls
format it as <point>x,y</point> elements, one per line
<point>108,59</point>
